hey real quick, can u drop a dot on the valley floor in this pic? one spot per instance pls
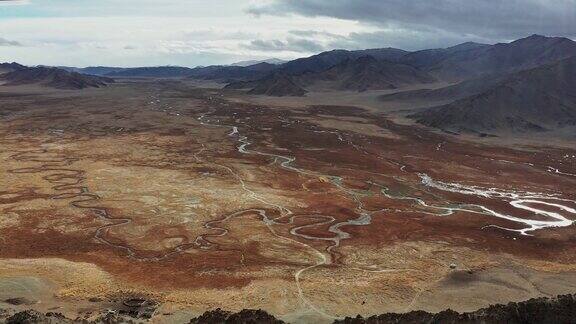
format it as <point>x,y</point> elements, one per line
<point>197,200</point>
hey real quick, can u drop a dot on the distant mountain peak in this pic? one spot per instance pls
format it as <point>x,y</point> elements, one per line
<point>274,61</point>
<point>466,46</point>
<point>9,67</point>
<point>537,38</point>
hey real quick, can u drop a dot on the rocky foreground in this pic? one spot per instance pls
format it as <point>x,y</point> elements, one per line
<point>561,309</point>
<point>558,310</point>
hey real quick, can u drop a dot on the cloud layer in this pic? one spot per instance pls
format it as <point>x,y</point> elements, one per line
<point>197,32</point>
<point>137,41</point>
<point>291,44</point>
<point>496,19</point>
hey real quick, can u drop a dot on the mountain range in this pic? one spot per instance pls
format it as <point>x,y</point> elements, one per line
<point>352,74</point>
<point>454,64</point>
<point>476,60</point>
<point>525,85</point>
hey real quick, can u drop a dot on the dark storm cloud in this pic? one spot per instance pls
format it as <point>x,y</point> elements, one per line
<point>314,33</point>
<point>494,19</point>
<point>290,45</point>
<point>404,39</point>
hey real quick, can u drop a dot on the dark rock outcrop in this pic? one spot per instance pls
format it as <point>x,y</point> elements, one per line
<point>246,316</point>
<point>138,308</point>
<point>19,301</point>
<point>34,317</point>
<point>559,310</point>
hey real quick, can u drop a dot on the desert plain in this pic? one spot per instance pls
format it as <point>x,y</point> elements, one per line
<point>197,198</point>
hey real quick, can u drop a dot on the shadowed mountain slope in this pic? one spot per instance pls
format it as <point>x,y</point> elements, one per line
<point>361,74</point>
<point>326,60</point>
<point>450,93</point>
<point>152,72</point>
<point>278,85</point>
<point>53,78</point>
<point>224,73</point>
<point>537,99</point>
<point>519,55</point>
<point>431,57</point>
<point>233,73</point>
<point>10,67</point>
<point>95,70</point>
<point>368,73</point>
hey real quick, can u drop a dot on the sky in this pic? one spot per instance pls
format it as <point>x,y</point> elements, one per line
<point>205,32</point>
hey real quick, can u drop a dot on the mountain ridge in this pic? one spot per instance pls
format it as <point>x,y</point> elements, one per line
<point>537,99</point>
<point>53,78</point>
